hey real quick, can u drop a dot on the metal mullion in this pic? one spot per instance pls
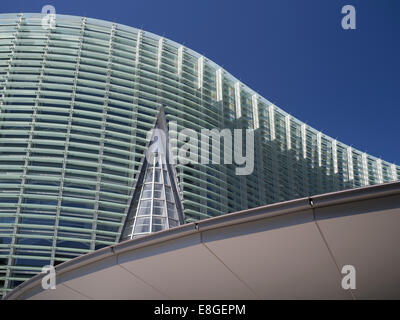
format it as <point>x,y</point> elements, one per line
<point>180,101</point>
<point>140,201</point>
<point>319,160</point>
<point>159,100</point>
<point>18,211</point>
<point>10,61</point>
<point>152,194</point>
<point>275,166</point>
<point>379,170</point>
<point>261,191</point>
<point>137,208</point>
<point>289,162</point>
<point>350,165</point>
<point>199,95</point>
<point>102,138</point>
<point>68,134</point>
<point>223,123</point>
<point>134,112</point>
<point>335,164</point>
<point>174,204</point>
<point>165,194</point>
<point>393,172</point>
<point>364,169</point>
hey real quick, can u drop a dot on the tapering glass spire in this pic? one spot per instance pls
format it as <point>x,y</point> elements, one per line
<point>155,205</point>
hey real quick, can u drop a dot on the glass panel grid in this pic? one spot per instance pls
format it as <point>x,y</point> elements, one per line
<point>76,103</point>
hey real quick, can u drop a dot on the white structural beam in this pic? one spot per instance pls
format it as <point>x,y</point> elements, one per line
<point>350,163</point>
<point>200,71</point>
<point>238,101</point>
<point>138,43</point>
<point>304,139</point>
<point>394,172</point>
<point>334,156</point>
<point>254,99</point>
<point>379,170</point>
<point>319,148</point>
<point>219,84</point>
<point>288,134</point>
<point>180,60</point>
<point>365,169</point>
<point>272,121</point>
<point>159,53</point>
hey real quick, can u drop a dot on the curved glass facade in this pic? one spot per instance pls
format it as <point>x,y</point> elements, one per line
<point>76,104</point>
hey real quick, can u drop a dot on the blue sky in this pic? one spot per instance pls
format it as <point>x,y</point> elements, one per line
<point>294,53</point>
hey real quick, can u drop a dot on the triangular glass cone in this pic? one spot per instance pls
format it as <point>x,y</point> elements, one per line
<point>155,204</point>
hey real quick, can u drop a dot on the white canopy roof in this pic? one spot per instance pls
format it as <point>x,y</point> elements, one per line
<point>290,250</point>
